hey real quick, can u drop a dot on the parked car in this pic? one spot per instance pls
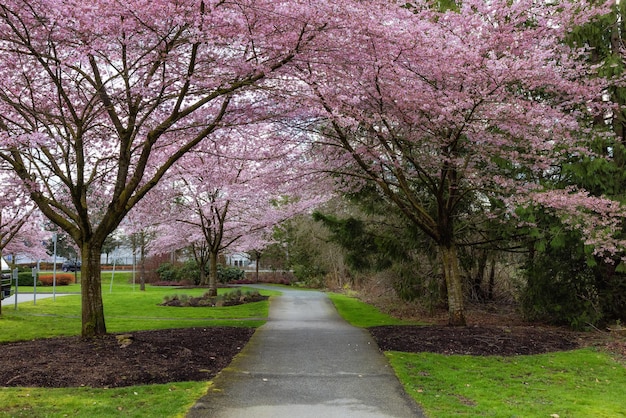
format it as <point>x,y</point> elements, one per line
<point>71,265</point>
<point>5,285</point>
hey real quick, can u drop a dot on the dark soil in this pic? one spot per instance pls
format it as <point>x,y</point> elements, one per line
<point>475,341</point>
<point>144,357</point>
<point>164,356</point>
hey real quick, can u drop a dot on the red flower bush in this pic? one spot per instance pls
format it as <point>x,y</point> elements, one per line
<point>62,279</point>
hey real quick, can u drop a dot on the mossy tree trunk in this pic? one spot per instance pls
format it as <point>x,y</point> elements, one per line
<point>91,292</point>
<point>213,274</point>
<point>454,285</point>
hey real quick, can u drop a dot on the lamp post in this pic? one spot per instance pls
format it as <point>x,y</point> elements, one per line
<point>54,268</point>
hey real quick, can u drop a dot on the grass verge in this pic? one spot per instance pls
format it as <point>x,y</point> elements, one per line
<point>573,384</point>
<point>171,400</point>
<point>361,314</point>
<point>579,383</point>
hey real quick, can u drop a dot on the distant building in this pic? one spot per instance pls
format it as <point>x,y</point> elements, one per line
<point>241,260</point>
<point>119,256</point>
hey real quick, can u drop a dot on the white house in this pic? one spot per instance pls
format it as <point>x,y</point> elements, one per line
<point>4,265</point>
<point>240,259</point>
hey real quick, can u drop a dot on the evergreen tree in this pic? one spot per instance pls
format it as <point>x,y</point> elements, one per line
<point>567,282</point>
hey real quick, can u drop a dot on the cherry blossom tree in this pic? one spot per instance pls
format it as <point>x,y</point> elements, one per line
<point>99,99</point>
<point>12,220</point>
<point>229,192</point>
<point>138,231</point>
<point>21,233</point>
<point>447,110</point>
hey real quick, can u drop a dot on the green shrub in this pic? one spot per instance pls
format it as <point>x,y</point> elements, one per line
<point>168,272</point>
<point>25,278</point>
<point>566,283</point>
<point>561,289</point>
<point>236,297</point>
<point>184,299</point>
<point>226,274</point>
<point>189,270</point>
<point>312,277</point>
<point>230,297</point>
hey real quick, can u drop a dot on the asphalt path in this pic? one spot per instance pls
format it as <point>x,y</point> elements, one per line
<point>306,361</point>
<point>28,297</point>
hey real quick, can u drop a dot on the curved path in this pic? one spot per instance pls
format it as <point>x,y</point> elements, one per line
<point>30,297</point>
<point>306,361</point>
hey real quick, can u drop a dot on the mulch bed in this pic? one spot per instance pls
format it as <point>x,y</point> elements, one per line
<point>475,341</point>
<point>193,354</point>
<point>144,357</point>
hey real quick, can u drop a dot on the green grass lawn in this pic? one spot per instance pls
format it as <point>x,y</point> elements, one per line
<point>126,309</point>
<point>580,383</point>
<point>171,400</point>
<point>361,314</point>
<point>574,384</point>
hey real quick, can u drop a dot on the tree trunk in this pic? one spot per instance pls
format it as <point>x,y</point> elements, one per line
<point>1,296</point>
<point>492,278</point>
<point>213,274</point>
<point>452,276</point>
<point>477,283</point>
<point>142,261</point>
<point>258,262</point>
<point>91,293</point>
<point>203,276</point>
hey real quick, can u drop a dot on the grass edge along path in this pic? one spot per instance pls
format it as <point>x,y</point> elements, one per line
<point>167,400</point>
<point>580,383</point>
<point>361,314</point>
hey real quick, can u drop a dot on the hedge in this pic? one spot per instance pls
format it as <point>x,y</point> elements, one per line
<point>63,279</point>
<point>25,278</point>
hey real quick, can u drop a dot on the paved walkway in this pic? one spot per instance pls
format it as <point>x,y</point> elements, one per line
<point>306,361</point>
<point>28,297</point>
